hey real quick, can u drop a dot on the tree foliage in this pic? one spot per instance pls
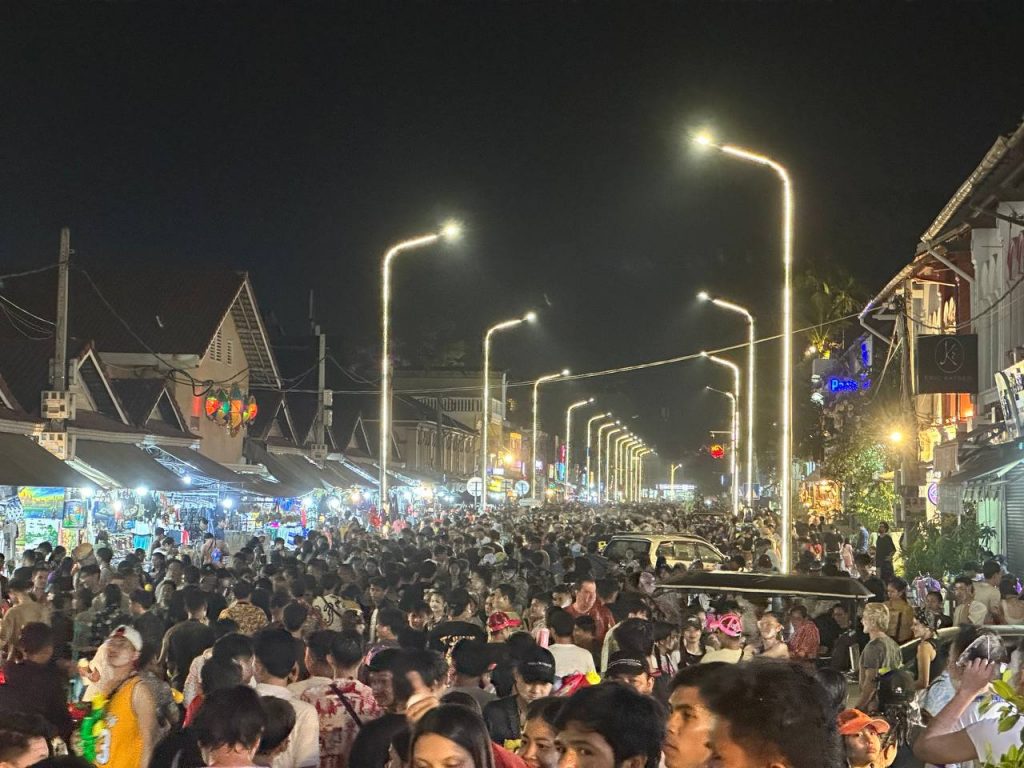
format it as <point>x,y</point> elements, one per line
<point>860,464</point>
<point>941,548</point>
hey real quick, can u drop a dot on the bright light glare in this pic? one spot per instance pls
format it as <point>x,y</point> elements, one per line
<point>896,436</point>
<point>565,371</point>
<point>703,138</point>
<point>141,490</point>
<point>451,231</point>
<point>186,479</point>
<point>86,493</point>
<point>118,505</point>
<point>334,503</point>
<point>590,400</point>
<point>704,296</point>
<point>531,317</point>
<point>704,353</point>
<point>227,503</point>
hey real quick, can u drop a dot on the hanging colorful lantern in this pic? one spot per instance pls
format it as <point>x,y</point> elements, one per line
<point>717,451</point>
<point>232,411</point>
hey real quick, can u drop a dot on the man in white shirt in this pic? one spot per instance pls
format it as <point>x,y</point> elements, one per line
<point>275,660</point>
<point>570,659</point>
<point>964,731</point>
<point>318,647</point>
<point>968,610</point>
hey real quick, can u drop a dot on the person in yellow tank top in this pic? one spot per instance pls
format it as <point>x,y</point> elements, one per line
<point>128,727</point>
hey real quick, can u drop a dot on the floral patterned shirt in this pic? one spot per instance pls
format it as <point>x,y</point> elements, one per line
<point>338,729</point>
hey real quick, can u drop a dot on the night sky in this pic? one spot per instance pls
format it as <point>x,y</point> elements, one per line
<point>299,141</point>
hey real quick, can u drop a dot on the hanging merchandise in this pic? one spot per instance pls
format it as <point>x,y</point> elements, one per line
<point>232,410</point>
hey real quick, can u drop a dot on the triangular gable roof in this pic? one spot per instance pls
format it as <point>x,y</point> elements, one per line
<point>149,405</point>
<point>145,309</point>
<point>272,412</point>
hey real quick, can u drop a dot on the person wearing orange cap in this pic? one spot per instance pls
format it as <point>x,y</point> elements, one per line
<point>862,740</point>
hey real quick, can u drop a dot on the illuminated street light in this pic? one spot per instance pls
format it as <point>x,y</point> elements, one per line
<point>449,231</point>
<point>601,429</point>
<point>896,437</point>
<point>533,456</point>
<point>672,478</point>
<point>590,479</point>
<point>751,360</point>
<point>608,461</point>
<point>732,454</point>
<point>618,461</point>
<point>568,439</point>
<point>640,481</point>
<point>627,458</point>
<point>634,470</point>
<point>786,421</point>
<point>485,422</point>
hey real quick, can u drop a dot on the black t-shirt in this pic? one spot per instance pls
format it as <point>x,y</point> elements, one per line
<point>445,636</point>
<point>185,641</point>
<point>687,659</point>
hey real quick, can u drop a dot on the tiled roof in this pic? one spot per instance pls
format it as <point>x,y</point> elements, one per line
<point>25,366</point>
<point>138,397</point>
<point>171,313</point>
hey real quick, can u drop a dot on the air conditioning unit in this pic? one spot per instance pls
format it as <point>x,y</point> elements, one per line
<point>58,406</point>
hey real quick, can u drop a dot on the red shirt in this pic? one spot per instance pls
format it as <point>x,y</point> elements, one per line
<point>805,642</point>
<point>600,613</point>
<point>505,759</point>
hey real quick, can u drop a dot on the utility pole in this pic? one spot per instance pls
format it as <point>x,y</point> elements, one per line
<point>59,373</point>
<point>324,398</point>
<point>909,443</point>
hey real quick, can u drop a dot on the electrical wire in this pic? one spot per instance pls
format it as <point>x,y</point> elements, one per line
<point>975,318</point>
<point>28,272</point>
<point>26,312</point>
<point>592,374</point>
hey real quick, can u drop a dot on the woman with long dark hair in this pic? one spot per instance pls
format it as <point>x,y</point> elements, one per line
<point>451,736</point>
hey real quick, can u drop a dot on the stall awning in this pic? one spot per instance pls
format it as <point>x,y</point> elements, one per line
<point>24,462</point>
<point>348,477</point>
<point>988,464</point>
<point>202,465</point>
<point>127,465</point>
<point>295,470</point>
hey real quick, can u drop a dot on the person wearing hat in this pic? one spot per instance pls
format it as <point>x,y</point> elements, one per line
<point>728,628</point>
<point>500,626</point>
<point>692,649</point>
<point>862,742</point>
<point>472,664</point>
<point>534,677</point>
<point>124,715</point>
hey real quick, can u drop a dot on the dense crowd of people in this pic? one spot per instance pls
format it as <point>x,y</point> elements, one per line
<point>507,639</point>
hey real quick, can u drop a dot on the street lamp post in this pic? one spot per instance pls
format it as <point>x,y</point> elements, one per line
<point>732,453</point>
<point>640,473</point>
<point>608,461</point>
<point>601,429</point>
<point>633,464</point>
<point>485,422</point>
<point>590,480</point>
<point>618,461</point>
<point>735,423</point>
<point>751,361</point>
<point>568,439</point>
<point>627,454</point>
<point>786,422</point>
<point>533,439</point>
<point>449,231</point>
<point>672,479</point>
